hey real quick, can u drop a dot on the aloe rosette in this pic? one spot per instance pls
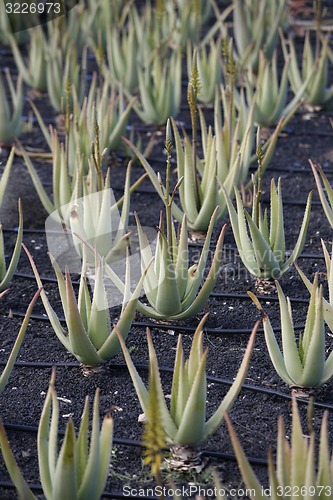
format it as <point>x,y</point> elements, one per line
<point>256,24</point>
<point>295,468</point>
<point>262,248</point>
<point>34,71</point>
<point>303,364</point>
<point>78,471</point>
<point>10,111</point>
<point>185,422</point>
<point>159,88</point>
<point>172,286</point>
<point>313,73</point>
<point>270,95</point>
<point>197,203</point>
<point>89,336</point>
<point>95,218</point>
<point>209,68</point>
<point>327,304</point>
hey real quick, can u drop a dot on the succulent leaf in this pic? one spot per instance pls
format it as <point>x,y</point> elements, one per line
<point>295,464</point>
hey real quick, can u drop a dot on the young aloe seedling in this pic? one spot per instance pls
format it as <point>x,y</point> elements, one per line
<point>262,248</point>
<point>301,365</point>
<point>34,72</point>
<point>295,467</point>
<point>314,72</point>
<point>327,304</point>
<point>199,192</point>
<point>89,336</point>
<point>76,472</point>
<point>270,95</point>
<point>159,88</point>
<point>185,422</point>
<point>171,286</point>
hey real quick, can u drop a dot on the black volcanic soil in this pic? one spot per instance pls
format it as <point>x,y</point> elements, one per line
<point>254,413</point>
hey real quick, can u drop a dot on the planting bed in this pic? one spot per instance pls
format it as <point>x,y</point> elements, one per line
<point>231,319</point>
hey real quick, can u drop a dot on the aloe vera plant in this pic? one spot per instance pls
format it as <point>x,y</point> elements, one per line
<point>10,114</point>
<point>77,471</point>
<point>95,219</point>
<point>89,336</point>
<point>6,273</point>
<point>5,175</point>
<point>34,70</point>
<point>256,25</point>
<point>63,68</point>
<point>101,119</point>
<point>234,123</point>
<point>171,286</point>
<point>18,342</point>
<point>271,94</point>
<point>327,304</point>
<point>199,192</point>
<point>324,189</point>
<point>262,248</point>
<point>123,55</point>
<point>71,182</point>
<point>191,18</point>
<point>295,469</point>
<point>314,71</point>
<point>173,24</point>
<point>99,17</point>
<point>159,88</point>
<point>103,108</point>
<point>302,366</point>
<point>209,68</point>
<point>185,423</point>
<point>198,205</point>
<point>66,184</point>
<point>84,204</point>
<point>70,29</point>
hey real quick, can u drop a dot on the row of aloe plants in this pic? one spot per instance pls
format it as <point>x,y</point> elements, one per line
<point>170,275</point>
<point>142,56</point>
<point>80,340</point>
